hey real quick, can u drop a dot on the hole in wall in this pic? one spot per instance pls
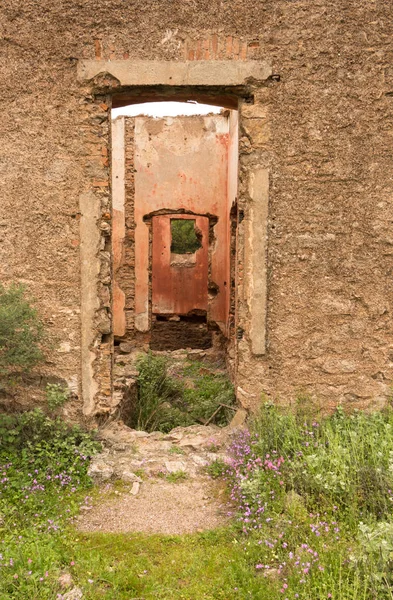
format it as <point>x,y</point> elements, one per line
<point>185,237</point>
<point>166,109</point>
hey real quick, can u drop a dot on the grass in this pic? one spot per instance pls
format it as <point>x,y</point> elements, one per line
<point>164,402</point>
<point>177,477</point>
<point>310,501</point>
<point>176,450</point>
<point>209,565</point>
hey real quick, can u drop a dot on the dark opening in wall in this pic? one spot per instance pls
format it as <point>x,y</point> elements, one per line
<point>185,238</point>
<point>191,332</point>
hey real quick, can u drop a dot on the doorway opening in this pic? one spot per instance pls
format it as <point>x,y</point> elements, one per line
<point>174,190</point>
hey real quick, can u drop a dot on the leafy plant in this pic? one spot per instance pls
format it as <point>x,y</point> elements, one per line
<point>56,396</point>
<point>21,332</point>
<point>217,468</point>
<point>208,393</point>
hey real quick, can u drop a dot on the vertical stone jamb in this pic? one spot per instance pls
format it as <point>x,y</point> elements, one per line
<point>96,271</point>
<point>255,257</point>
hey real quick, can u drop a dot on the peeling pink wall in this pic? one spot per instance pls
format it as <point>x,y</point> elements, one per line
<point>182,163</point>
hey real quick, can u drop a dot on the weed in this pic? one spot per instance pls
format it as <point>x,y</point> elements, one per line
<point>217,468</point>
<point>310,494</point>
<point>140,473</point>
<point>208,393</point>
<point>296,532</point>
<point>56,396</point>
<point>213,446</point>
<point>176,450</point>
<point>177,477</point>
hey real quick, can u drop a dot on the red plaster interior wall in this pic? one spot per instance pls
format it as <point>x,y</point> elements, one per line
<point>181,163</point>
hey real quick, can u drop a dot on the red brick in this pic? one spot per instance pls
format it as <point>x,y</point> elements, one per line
<point>229,42</point>
<point>98,49</point>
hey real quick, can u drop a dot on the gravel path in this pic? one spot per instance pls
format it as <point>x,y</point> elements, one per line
<point>159,507</point>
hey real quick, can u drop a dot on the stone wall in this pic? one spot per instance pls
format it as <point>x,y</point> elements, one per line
<point>326,143</point>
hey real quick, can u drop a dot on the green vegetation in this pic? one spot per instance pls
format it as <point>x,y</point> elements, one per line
<point>21,334</point>
<point>184,236</point>
<point>316,498</point>
<point>217,468</point>
<point>164,402</point>
<point>56,396</point>
<point>43,481</point>
<point>311,517</point>
<point>177,477</point>
<point>176,450</point>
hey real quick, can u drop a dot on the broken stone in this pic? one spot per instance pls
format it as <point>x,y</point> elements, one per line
<point>199,460</point>
<point>130,476</point>
<point>135,488</point>
<point>120,447</point>
<point>196,354</point>
<point>100,470</point>
<point>174,466</point>
<point>74,594</point>
<point>174,436</point>
<point>65,580</point>
<point>192,442</point>
<point>238,420</point>
<point>126,348</point>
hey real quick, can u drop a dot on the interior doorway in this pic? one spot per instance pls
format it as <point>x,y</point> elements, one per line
<point>174,188</point>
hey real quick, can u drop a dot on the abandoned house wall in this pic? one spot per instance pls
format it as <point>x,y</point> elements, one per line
<point>315,168</point>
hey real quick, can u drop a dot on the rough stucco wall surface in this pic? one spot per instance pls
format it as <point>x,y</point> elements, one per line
<point>330,243</point>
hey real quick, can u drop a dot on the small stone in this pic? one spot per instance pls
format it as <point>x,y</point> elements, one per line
<point>176,465</point>
<point>195,442</point>
<point>65,580</point>
<point>196,354</point>
<point>273,574</point>
<point>74,594</point>
<point>126,348</point>
<point>120,447</point>
<point>135,488</point>
<point>199,460</point>
<point>84,507</point>
<point>239,419</point>
<point>130,477</point>
<point>100,470</point>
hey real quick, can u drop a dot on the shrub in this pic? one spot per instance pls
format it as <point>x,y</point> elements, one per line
<point>56,396</point>
<point>184,236</point>
<point>209,392</point>
<point>158,395</point>
<point>163,402</point>
<point>21,332</point>
<point>41,458</point>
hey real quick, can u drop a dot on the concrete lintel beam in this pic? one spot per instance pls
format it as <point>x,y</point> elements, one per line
<point>201,72</point>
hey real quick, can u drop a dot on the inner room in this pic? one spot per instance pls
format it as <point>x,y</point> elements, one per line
<point>174,194</point>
